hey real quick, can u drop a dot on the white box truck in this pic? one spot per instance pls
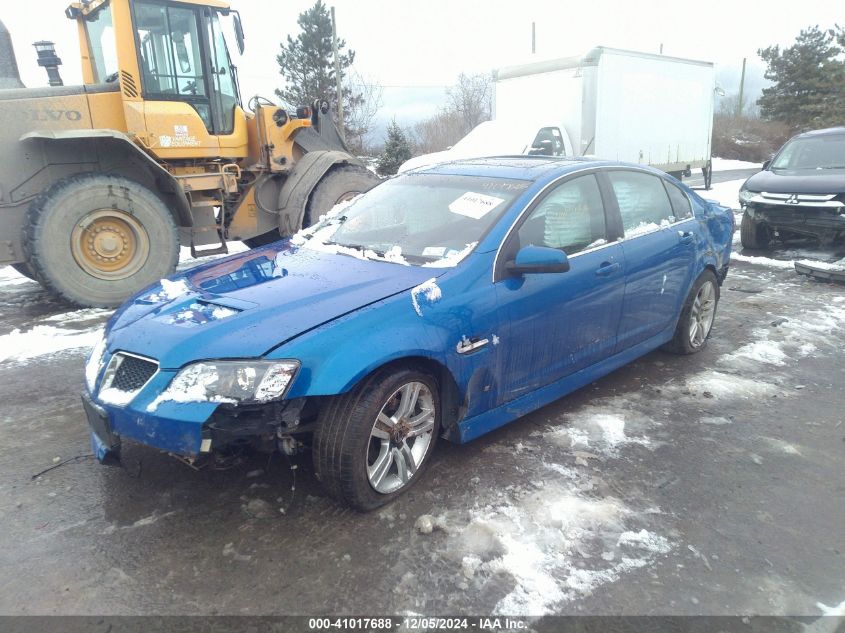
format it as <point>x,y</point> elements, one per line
<point>615,104</point>
<point>620,105</point>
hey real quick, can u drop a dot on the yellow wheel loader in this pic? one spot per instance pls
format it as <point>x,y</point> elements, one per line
<point>100,184</point>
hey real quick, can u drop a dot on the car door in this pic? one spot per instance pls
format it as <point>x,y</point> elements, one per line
<point>659,249</point>
<point>558,323</point>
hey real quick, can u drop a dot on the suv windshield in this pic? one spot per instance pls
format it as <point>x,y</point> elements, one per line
<point>813,152</point>
<point>416,219</point>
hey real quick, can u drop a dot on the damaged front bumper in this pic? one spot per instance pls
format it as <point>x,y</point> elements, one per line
<point>190,429</point>
<point>814,221</point>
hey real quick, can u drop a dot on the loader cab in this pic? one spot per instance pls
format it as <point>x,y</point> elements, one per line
<point>178,82</point>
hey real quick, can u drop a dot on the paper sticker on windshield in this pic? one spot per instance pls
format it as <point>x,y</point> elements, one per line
<point>434,251</point>
<point>475,205</point>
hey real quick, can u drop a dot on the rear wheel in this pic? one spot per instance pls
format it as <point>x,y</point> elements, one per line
<point>697,316</point>
<point>95,240</point>
<point>752,234</point>
<point>375,442</point>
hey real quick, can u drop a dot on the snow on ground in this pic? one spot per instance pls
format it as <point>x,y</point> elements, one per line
<point>726,164</point>
<point>45,340</point>
<point>725,193</point>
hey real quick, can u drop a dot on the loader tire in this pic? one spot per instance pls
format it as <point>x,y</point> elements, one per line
<point>338,185</point>
<point>95,240</point>
<point>754,235</point>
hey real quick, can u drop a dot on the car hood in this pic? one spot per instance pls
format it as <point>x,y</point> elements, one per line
<point>818,181</point>
<point>246,305</point>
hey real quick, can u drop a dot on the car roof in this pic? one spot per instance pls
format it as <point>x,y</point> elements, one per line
<point>518,167</point>
<point>828,131</point>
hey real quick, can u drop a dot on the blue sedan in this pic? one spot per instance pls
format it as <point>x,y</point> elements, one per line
<point>447,301</point>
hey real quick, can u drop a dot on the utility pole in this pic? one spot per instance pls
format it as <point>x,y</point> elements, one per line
<point>339,81</point>
<point>661,48</point>
<point>741,90</point>
<point>533,38</point>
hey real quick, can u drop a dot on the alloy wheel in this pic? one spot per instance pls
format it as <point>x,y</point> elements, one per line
<point>400,438</point>
<point>702,313</point>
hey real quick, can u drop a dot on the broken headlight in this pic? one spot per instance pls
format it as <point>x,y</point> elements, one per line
<point>745,195</point>
<point>232,381</point>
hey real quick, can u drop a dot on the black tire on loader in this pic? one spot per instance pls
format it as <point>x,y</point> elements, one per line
<point>94,240</point>
<point>337,185</point>
<point>754,235</point>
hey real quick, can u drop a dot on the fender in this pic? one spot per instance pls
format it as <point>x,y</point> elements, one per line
<point>306,173</point>
<point>167,187</point>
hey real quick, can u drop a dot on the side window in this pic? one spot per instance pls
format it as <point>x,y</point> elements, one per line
<point>643,202</point>
<point>225,94</point>
<point>548,142</point>
<point>680,203</point>
<point>570,218</point>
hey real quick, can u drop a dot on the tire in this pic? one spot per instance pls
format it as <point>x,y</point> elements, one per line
<point>339,184</point>
<point>705,289</point>
<point>122,239</point>
<point>352,439</point>
<point>707,172</point>
<point>754,235</point>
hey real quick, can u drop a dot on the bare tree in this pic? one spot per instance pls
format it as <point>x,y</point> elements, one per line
<point>471,99</point>
<point>442,130</point>
<point>468,103</point>
<point>362,108</point>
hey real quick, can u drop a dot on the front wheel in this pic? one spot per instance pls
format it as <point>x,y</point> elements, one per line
<point>374,443</point>
<point>697,316</point>
<point>94,240</point>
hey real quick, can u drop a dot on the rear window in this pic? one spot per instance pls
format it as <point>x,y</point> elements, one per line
<point>680,202</point>
<point>643,202</point>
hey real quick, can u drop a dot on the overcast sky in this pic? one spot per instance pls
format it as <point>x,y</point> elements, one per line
<point>416,48</point>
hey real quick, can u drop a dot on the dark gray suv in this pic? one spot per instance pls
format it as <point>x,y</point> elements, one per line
<point>799,193</point>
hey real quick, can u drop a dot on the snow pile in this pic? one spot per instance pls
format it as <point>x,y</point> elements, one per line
<point>44,340</point>
<point>838,266</point>
<point>557,544</point>
<point>601,428</point>
<point>10,277</point>
<point>783,264</point>
<point>722,385</point>
<point>428,291</point>
<point>764,351</point>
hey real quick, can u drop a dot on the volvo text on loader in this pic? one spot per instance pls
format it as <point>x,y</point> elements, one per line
<point>100,184</point>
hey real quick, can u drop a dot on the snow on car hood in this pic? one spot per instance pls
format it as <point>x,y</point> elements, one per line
<point>245,305</point>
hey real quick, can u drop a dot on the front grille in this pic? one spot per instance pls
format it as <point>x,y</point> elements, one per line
<point>129,373</point>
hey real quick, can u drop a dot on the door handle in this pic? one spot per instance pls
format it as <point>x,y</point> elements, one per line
<point>607,268</point>
<point>685,236</point>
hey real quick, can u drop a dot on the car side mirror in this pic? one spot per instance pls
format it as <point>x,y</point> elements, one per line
<point>766,164</point>
<point>538,259</point>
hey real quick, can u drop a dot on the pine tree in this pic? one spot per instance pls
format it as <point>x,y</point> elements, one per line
<point>307,62</point>
<point>397,149</point>
<point>809,80</point>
